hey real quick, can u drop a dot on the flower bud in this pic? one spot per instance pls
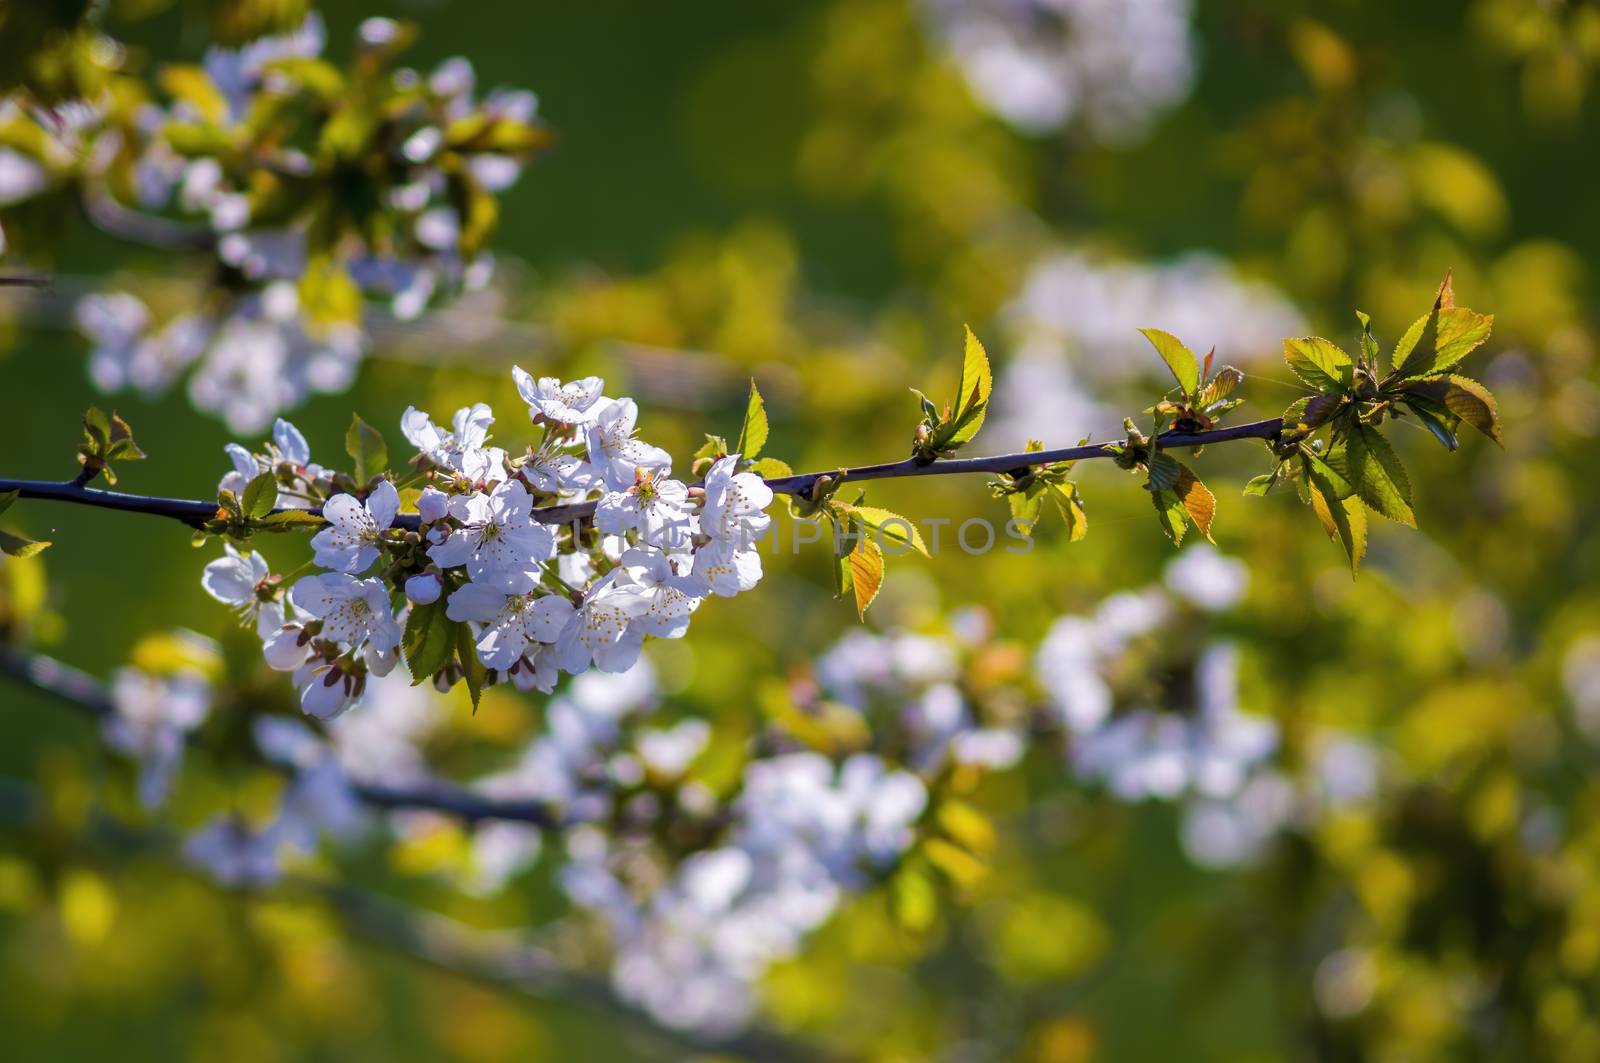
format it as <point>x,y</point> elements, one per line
<point>432,505</point>
<point>424,588</point>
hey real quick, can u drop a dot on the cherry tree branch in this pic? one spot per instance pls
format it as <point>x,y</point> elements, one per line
<point>92,697</point>
<point>195,512</point>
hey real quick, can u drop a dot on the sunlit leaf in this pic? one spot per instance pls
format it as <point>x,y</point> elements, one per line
<point>1180,360</point>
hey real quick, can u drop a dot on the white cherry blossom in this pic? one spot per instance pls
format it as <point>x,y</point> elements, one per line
<point>350,541</point>
<point>512,623</point>
<point>615,452</point>
<point>499,542</point>
<point>736,503</point>
<point>353,611</point>
<point>236,580</point>
<point>577,402</point>
<point>654,506</point>
<point>601,630</point>
<point>462,450</point>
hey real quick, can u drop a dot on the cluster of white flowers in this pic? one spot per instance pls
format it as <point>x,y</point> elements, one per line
<point>692,951</point>
<point>1111,66</point>
<point>251,346</point>
<point>695,925</point>
<point>909,682</point>
<point>540,598</point>
<point>1076,324</point>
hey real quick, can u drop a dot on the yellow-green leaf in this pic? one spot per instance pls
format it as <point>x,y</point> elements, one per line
<point>1374,470</point>
<point>889,527</point>
<point>1180,360</point>
<point>866,572</point>
<point>976,380</point>
<point>753,433</point>
<point>1320,363</point>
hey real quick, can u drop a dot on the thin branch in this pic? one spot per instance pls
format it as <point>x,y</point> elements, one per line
<point>89,695</point>
<point>194,512</point>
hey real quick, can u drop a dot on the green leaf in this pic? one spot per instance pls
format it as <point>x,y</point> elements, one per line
<point>771,469</point>
<point>1171,514</point>
<point>753,433</point>
<point>1026,505</point>
<point>260,496</point>
<point>1376,474</point>
<point>889,527</point>
<point>472,669</point>
<point>1319,362</point>
<point>290,520</point>
<point>1456,333</point>
<point>122,447</point>
<point>1332,470</point>
<point>1466,399</point>
<point>1369,346</point>
<point>429,640</point>
<point>1185,367</point>
<point>1343,519</point>
<point>1260,485</point>
<point>97,426</point>
<point>1313,411</point>
<point>1164,471</point>
<point>1070,505</point>
<point>1444,433</point>
<point>976,381</point>
<point>17,546</point>
<point>366,448</point>
<point>866,573</point>
<point>7,498</point>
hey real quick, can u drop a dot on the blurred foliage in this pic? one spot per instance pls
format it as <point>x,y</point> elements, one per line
<point>813,196</point>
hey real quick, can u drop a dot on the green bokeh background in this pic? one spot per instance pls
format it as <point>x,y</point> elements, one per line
<point>676,212</point>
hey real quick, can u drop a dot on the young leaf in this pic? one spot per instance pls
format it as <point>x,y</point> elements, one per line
<point>1164,470</point>
<point>1198,501</point>
<point>1171,514</point>
<point>889,527</point>
<point>1180,359</point>
<point>260,496</point>
<point>771,468</point>
<point>1319,362</point>
<point>291,520</point>
<point>1443,432</point>
<point>1376,474</point>
<point>1260,485</point>
<point>472,669</point>
<point>18,546</point>
<point>366,448</point>
<point>976,380</point>
<point>1343,519</point>
<point>1071,507</point>
<point>1456,333</point>
<point>429,640</point>
<point>1369,346</point>
<point>753,433</point>
<point>1027,505</point>
<point>1466,399</point>
<point>866,572</point>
